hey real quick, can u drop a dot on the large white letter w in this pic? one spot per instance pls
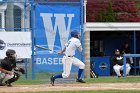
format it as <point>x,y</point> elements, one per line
<point>59,24</point>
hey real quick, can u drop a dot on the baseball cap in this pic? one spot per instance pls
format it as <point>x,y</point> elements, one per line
<point>117,50</point>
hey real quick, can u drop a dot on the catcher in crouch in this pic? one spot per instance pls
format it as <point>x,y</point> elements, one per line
<point>8,69</point>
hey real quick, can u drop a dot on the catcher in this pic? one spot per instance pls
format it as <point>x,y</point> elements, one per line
<point>9,72</point>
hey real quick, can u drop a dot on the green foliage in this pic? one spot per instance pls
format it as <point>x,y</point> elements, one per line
<point>108,15</point>
<point>138,5</point>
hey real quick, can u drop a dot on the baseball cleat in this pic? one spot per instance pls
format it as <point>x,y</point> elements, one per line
<point>52,80</point>
<point>80,80</point>
<point>8,84</point>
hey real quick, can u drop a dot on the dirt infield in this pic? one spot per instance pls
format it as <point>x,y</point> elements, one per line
<point>72,87</point>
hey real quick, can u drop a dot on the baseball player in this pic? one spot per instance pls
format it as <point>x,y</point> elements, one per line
<point>126,50</point>
<point>8,68</point>
<point>69,58</point>
<point>118,63</point>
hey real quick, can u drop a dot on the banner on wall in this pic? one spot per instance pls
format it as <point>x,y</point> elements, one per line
<point>18,41</point>
<point>53,25</point>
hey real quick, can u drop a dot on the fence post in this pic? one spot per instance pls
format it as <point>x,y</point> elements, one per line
<point>32,23</point>
<point>124,65</point>
<point>26,68</point>
<point>135,48</point>
<point>87,54</point>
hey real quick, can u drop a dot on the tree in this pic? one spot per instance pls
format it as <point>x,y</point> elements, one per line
<point>121,11</point>
<point>126,11</point>
<point>108,15</point>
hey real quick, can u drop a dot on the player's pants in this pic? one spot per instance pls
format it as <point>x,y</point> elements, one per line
<point>6,76</point>
<point>131,60</point>
<point>119,68</point>
<point>9,78</point>
<point>67,64</point>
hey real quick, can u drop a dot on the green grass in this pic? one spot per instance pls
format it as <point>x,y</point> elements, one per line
<point>102,91</point>
<point>29,82</point>
<point>114,80</point>
<point>92,80</point>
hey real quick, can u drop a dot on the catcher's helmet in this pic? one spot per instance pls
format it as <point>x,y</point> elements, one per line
<point>10,52</point>
<point>74,33</point>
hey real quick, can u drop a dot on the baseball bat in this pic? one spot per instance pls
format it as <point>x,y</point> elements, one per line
<point>44,48</point>
<point>93,74</point>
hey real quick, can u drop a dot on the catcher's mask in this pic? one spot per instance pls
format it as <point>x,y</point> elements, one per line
<point>10,53</point>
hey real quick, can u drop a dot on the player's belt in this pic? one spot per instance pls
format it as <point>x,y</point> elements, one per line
<point>70,56</point>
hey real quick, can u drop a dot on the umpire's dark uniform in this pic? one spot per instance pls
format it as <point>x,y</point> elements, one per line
<point>6,67</point>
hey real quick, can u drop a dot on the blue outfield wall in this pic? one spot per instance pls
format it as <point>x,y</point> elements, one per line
<point>101,65</point>
<point>53,25</point>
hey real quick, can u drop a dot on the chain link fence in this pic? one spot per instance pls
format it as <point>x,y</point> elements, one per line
<point>45,76</point>
<point>15,16</point>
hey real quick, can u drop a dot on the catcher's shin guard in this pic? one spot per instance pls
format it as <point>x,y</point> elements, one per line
<point>15,78</point>
<point>1,84</point>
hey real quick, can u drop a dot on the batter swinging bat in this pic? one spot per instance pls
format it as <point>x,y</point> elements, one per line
<point>44,48</point>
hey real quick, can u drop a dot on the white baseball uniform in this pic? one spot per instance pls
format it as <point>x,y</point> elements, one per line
<point>69,58</point>
<point>119,68</point>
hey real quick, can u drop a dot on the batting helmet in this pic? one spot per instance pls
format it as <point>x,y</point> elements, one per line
<point>74,33</point>
<point>10,52</point>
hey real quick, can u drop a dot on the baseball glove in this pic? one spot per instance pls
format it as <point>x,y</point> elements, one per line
<point>21,70</point>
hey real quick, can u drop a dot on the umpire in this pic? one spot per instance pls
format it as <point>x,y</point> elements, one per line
<point>8,68</point>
